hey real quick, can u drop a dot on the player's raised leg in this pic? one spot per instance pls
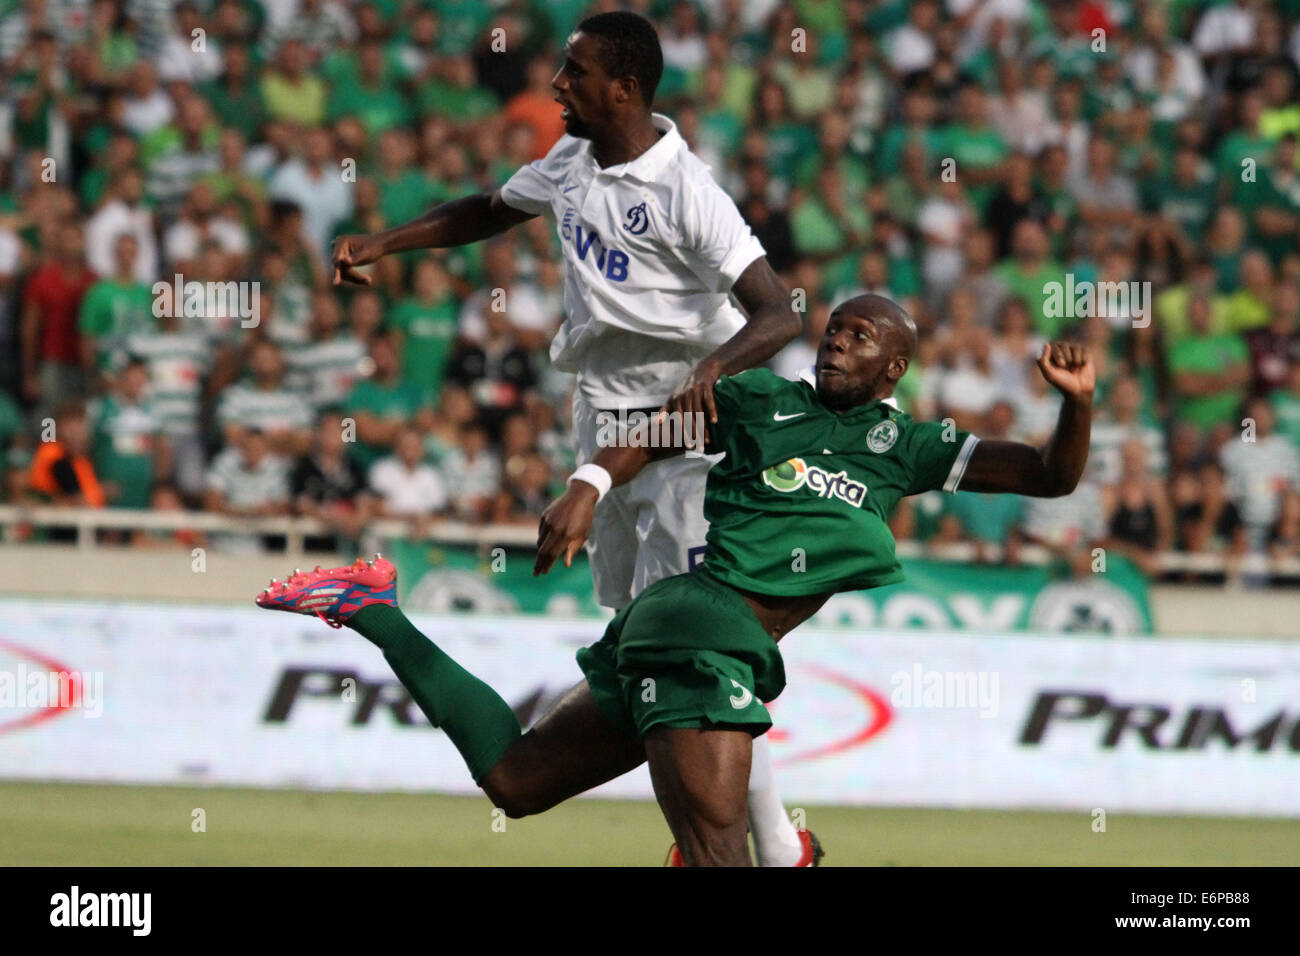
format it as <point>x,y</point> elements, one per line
<point>573,748</point>
<point>701,779</point>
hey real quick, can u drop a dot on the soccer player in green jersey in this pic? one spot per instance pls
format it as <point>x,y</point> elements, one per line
<point>683,672</point>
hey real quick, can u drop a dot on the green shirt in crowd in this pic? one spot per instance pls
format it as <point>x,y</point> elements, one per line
<point>124,439</point>
<point>110,312</point>
<point>398,402</point>
<point>1209,353</point>
<point>429,330</point>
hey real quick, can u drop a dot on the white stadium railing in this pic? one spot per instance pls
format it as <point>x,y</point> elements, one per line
<point>88,522</point>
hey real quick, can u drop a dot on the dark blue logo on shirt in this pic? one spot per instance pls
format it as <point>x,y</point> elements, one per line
<point>637,219</point>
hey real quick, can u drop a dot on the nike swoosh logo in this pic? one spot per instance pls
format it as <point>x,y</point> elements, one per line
<point>569,189</point>
<point>778,417</point>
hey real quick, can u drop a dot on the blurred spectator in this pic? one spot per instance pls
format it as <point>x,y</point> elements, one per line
<point>188,54</point>
<point>1210,371</point>
<point>316,185</point>
<point>1275,346</point>
<point>329,485</point>
<point>407,485</point>
<point>1284,536</point>
<point>265,405</point>
<point>1138,520</point>
<point>123,211</point>
<point>1286,404</point>
<point>967,392</point>
<point>527,490</point>
<point>426,321</point>
<point>62,471</point>
<point>247,480</point>
<point>1261,466</point>
<point>200,221</point>
<point>382,402</point>
<point>290,90</point>
<point>129,448</point>
<point>327,367</point>
<point>535,107</point>
<point>50,343</point>
<point>475,473</point>
<point>1119,422</point>
<point>114,308</point>
<point>1205,517</point>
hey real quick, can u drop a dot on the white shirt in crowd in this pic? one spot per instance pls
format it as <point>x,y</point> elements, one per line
<point>1258,473</point>
<point>143,115</point>
<point>652,248</point>
<point>910,50</point>
<point>1224,29</point>
<point>525,306</point>
<point>114,218</point>
<point>409,491</point>
<point>325,199</point>
<point>183,238</point>
<point>179,60</point>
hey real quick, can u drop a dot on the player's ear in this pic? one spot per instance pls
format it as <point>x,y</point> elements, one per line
<point>898,366</point>
<point>626,89</point>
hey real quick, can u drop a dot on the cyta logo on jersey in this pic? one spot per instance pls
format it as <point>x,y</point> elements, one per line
<point>790,476</point>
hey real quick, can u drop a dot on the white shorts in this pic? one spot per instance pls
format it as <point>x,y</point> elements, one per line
<point>650,528</point>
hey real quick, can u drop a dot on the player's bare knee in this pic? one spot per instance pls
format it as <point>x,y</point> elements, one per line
<point>511,793</point>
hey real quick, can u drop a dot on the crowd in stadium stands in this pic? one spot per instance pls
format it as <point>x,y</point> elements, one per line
<point>961,156</point>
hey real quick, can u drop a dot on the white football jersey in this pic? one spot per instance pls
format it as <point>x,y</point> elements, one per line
<point>651,250</point>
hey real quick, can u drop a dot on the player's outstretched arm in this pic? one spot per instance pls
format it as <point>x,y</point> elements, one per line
<point>1054,469</point>
<point>772,324</point>
<point>455,223</point>
<point>567,520</point>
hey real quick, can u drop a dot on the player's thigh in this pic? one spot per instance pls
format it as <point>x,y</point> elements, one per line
<point>668,499</point>
<point>571,749</point>
<point>701,779</point>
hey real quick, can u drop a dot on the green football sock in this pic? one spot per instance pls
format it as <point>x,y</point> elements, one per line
<point>473,715</point>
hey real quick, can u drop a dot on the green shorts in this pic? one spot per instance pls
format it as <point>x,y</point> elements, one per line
<point>688,652</point>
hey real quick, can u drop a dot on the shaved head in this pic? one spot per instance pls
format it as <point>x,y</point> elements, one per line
<point>868,346</point>
<point>889,315</point>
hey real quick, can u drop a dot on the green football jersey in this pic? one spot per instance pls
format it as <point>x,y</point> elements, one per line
<point>799,502</point>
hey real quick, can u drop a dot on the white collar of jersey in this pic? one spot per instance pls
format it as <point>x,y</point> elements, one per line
<point>809,375</point>
<point>647,166</point>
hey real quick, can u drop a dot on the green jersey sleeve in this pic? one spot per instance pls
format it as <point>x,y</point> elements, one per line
<point>936,456</point>
<point>742,401</point>
<point>728,396</point>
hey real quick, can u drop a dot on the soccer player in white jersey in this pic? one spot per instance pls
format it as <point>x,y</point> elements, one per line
<point>653,252</point>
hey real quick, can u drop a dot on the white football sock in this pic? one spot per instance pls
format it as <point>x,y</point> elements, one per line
<point>775,839</point>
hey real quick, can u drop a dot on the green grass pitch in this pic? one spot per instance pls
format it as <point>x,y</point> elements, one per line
<point>82,824</point>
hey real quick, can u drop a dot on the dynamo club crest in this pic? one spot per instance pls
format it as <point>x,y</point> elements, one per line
<point>637,219</point>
